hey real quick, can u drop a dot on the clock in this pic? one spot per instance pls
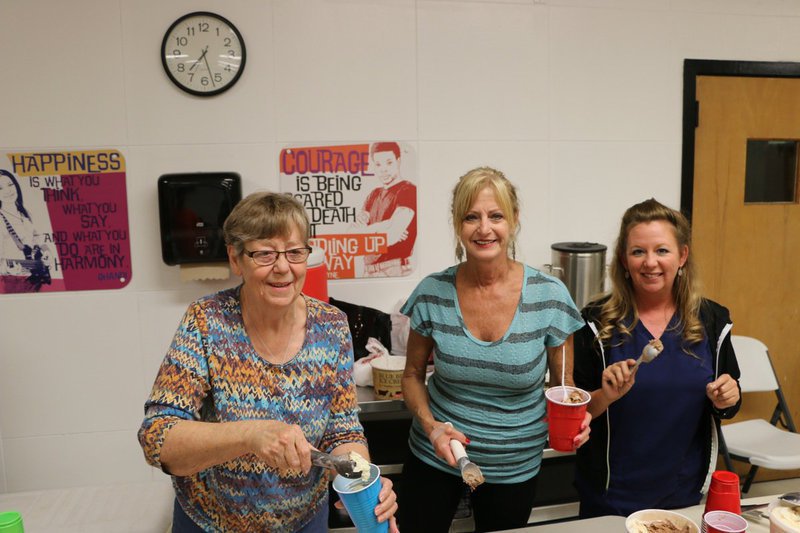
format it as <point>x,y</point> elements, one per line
<point>203,53</point>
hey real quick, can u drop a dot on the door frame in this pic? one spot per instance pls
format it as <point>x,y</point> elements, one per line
<point>692,68</point>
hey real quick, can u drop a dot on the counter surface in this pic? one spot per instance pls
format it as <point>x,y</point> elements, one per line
<point>616,524</point>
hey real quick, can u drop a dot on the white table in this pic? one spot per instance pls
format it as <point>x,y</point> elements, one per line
<point>129,508</point>
<point>616,524</point>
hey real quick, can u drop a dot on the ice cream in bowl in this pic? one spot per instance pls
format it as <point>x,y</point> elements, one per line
<point>659,521</point>
<point>784,518</point>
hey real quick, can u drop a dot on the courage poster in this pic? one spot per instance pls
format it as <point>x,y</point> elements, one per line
<point>63,221</point>
<point>361,200</point>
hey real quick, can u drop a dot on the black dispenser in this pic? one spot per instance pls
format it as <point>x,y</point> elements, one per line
<point>192,208</point>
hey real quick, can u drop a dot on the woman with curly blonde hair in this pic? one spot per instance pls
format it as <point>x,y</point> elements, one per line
<point>654,438</point>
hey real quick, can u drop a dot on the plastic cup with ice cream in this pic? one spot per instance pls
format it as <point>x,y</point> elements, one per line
<point>566,409</point>
<point>360,496</point>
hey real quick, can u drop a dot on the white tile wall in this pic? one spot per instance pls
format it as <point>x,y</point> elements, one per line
<point>591,179</point>
<point>497,71</point>
<point>577,101</point>
<point>67,364</point>
<point>736,37</point>
<point>739,7</point>
<point>345,70</point>
<point>76,460</point>
<point>3,482</point>
<point>613,75</point>
<point>63,80</point>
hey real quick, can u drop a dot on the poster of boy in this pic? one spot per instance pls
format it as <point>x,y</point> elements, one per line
<point>361,200</point>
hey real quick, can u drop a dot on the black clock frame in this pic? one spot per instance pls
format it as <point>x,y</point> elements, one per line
<point>189,90</point>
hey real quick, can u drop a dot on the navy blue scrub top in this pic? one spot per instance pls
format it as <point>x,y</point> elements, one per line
<point>658,429</point>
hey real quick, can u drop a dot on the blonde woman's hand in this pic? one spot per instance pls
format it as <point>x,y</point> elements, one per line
<point>618,379</point>
<point>440,437</point>
<point>582,437</point>
<point>723,392</point>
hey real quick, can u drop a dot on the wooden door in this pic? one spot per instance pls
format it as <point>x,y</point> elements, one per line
<point>748,254</point>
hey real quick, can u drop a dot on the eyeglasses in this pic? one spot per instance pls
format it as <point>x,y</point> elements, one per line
<point>268,257</point>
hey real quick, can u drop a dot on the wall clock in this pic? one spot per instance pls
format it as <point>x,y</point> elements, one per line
<point>203,53</point>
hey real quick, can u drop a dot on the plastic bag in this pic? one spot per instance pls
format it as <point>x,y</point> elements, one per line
<point>362,369</point>
<point>366,322</point>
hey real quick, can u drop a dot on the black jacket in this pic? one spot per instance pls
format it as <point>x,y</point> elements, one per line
<point>592,457</point>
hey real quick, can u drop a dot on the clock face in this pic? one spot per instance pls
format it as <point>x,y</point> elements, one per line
<point>203,53</point>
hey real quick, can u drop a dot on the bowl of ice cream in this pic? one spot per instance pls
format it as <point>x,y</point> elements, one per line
<point>783,518</point>
<point>659,521</point>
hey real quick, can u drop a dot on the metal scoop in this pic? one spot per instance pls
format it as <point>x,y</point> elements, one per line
<point>649,353</point>
<point>791,498</point>
<point>343,465</point>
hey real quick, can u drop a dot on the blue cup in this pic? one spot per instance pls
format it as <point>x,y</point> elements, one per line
<point>360,499</point>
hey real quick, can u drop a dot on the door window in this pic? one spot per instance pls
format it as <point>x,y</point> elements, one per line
<point>771,171</point>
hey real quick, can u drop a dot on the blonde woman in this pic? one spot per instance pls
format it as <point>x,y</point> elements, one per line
<point>654,438</point>
<point>495,326</point>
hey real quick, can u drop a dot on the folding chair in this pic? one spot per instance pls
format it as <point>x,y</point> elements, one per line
<point>759,442</point>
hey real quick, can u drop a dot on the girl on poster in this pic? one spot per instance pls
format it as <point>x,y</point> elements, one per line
<point>23,254</point>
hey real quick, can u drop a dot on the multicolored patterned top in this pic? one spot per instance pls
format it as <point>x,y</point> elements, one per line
<point>491,391</point>
<point>213,373</point>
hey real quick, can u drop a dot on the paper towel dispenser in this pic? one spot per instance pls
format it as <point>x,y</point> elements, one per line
<point>192,208</point>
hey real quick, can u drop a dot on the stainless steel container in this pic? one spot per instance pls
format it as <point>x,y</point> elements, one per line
<point>582,268</point>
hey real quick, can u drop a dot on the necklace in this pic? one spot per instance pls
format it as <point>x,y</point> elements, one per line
<point>254,329</point>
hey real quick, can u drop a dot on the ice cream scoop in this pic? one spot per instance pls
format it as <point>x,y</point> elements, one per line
<point>650,352</point>
<point>470,472</point>
<point>792,498</point>
<point>343,464</point>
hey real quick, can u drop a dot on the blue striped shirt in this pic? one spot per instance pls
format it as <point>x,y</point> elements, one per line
<point>491,391</point>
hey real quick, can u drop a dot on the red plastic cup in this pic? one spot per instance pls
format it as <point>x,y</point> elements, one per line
<point>316,283</point>
<point>564,419</point>
<point>723,493</point>
<point>723,522</point>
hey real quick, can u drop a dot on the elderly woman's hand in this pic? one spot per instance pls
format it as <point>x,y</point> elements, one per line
<point>386,509</point>
<point>387,505</point>
<point>723,392</point>
<point>281,446</point>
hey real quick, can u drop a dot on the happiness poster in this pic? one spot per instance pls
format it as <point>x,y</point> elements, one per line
<point>63,221</point>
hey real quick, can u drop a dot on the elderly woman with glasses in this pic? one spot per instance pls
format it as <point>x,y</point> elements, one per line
<point>255,378</point>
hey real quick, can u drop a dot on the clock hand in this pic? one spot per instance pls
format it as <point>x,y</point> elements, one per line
<point>202,56</point>
<point>210,72</point>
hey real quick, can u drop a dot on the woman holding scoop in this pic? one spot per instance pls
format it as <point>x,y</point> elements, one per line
<point>654,442</point>
<point>494,325</point>
<point>256,376</point>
